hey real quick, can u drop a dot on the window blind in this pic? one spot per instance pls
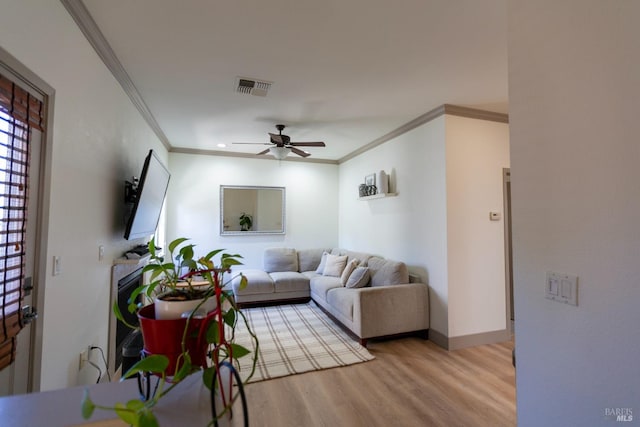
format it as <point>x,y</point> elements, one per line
<point>19,112</point>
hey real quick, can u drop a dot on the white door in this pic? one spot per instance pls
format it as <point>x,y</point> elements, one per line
<point>18,377</point>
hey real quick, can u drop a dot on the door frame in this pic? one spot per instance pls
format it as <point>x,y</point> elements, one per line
<point>508,254</point>
<point>31,82</point>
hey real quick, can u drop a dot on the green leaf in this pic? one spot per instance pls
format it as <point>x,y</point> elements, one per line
<point>232,256</point>
<point>213,333</point>
<point>208,375</point>
<point>243,282</point>
<point>150,267</point>
<point>152,246</point>
<point>118,314</point>
<point>126,414</point>
<point>87,405</point>
<point>190,264</point>
<point>185,369</point>
<point>228,262</point>
<point>206,263</point>
<point>148,419</point>
<point>212,254</point>
<point>239,351</point>
<point>230,317</point>
<point>173,245</point>
<point>153,363</point>
<point>187,252</point>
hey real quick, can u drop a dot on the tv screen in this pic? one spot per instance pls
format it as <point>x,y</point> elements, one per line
<point>147,206</point>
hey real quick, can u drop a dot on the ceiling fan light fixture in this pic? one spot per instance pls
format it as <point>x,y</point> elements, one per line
<point>280,152</point>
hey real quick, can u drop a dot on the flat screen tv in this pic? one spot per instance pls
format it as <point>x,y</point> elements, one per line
<point>148,199</point>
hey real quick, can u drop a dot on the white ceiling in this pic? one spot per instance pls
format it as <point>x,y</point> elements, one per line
<point>344,71</point>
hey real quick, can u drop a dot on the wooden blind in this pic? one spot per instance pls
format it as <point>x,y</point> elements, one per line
<point>19,112</point>
<point>20,104</point>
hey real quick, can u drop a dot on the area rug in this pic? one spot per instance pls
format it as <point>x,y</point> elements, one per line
<point>294,339</point>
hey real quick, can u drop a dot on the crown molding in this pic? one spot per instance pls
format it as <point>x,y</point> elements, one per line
<point>474,113</point>
<point>89,28</point>
<point>453,110</point>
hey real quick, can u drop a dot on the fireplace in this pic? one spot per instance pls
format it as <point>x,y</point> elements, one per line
<point>126,275</point>
<point>124,334</point>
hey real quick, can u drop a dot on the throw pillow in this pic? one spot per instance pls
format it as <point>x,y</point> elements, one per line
<point>359,278</point>
<point>334,265</point>
<point>280,259</point>
<point>323,261</point>
<point>348,270</point>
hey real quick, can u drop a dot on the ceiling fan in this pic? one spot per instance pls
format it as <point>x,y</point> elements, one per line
<point>281,145</point>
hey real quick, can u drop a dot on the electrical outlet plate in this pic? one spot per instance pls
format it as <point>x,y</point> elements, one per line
<point>562,288</point>
<point>84,357</point>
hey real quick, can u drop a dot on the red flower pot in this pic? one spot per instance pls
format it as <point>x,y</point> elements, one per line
<point>164,337</point>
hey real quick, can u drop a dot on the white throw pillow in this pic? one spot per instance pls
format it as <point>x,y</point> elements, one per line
<point>323,261</point>
<point>334,265</point>
<point>348,270</point>
<point>359,278</point>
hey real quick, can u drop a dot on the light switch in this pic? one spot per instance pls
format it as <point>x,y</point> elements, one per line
<point>57,265</point>
<point>562,288</point>
<point>565,287</point>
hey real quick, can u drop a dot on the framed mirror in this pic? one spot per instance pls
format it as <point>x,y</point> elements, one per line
<point>251,210</point>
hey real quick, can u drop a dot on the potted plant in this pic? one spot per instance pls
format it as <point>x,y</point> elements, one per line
<point>246,222</point>
<point>179,345</point>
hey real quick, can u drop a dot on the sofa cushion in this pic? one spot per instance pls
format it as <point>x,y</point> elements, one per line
<point>351,265</point>
<point>386,272</point>
<point>288,281</point>
<point>323,261</point>
<point>359,278</point>
<point>334,265</point>
<point>258,282</point>
<point>309,259</point>
<point>320,285</point>
<point>280,259</point>
<point>341,301</point>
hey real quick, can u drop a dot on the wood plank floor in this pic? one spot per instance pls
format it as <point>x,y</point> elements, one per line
<point>412,382</point>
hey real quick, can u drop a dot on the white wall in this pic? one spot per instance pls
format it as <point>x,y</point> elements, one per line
<point>412,226</point>
<point>193,202</point>
<point>448,176</point>
<point>99,140</point>
<point>574,86</point>
<point>477,151</point>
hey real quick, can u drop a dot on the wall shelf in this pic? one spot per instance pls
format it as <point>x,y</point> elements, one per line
<point>378,196</point>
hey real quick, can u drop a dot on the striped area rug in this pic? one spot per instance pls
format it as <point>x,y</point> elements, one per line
<point>294,339</point>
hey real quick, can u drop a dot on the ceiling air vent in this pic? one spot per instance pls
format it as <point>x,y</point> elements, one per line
<point>252,86</point>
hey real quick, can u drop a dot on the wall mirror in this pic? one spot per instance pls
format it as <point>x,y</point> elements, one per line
<point>251,210</point>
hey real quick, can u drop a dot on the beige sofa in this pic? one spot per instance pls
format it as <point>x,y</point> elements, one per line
<point>387,305</point>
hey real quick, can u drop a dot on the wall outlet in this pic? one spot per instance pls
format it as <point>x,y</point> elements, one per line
<point>84,357</point>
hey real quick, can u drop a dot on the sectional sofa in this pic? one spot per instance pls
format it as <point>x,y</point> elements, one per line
<point>369,295</point>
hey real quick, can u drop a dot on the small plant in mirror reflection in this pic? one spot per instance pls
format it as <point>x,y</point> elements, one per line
<point>246,222</point>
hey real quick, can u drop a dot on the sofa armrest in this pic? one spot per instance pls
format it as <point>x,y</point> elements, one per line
<point>405,308</point>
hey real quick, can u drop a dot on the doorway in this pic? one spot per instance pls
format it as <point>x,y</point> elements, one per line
<point>23,375</point>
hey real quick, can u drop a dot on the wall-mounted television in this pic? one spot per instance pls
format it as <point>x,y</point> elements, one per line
<point>146,198</point>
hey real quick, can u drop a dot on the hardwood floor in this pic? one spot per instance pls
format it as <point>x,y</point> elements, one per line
<point>412,382</point>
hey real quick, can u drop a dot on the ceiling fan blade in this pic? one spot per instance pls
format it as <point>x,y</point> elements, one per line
<point>299,152</point>
<point>308,144</point>
<point>263,152</point>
